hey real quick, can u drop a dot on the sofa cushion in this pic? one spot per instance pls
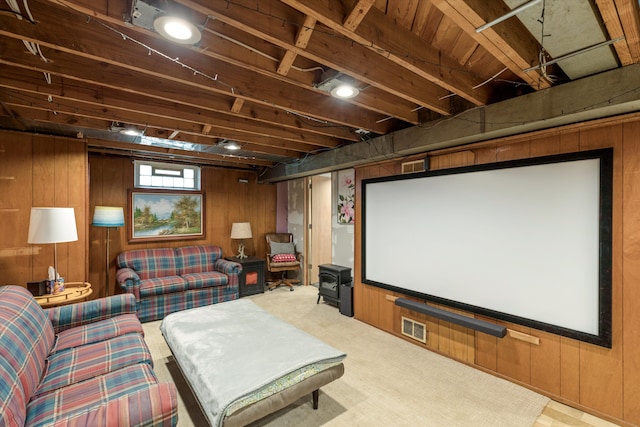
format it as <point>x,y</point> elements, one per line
<point>205,280</point>
<point>70,316</point>
<point>150,263</point>
<point>197,259</point>
<point>88,361</point>
<point>98,331</point>
<point>73,399</point>
<point>156,405</point>
<point>162,285</point>
<point>26,336</point>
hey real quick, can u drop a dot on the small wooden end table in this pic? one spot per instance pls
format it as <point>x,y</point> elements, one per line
<point>73,292</point>
<point>252,277</point>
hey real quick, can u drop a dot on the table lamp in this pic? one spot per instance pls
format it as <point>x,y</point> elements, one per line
<point>52,225</point>
<point>108,216</point>
<point>241,231</point>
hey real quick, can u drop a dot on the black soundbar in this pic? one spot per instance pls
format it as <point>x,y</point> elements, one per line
<point>468,322</point>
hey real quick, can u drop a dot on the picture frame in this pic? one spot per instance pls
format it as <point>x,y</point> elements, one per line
<point>156,215</point>
<point>346,197</point>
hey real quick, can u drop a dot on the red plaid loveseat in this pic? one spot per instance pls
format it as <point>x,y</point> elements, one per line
<point>83,364</point>
<point>165,280</point>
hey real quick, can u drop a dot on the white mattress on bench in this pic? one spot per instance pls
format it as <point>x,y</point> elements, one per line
<point>234,353</point>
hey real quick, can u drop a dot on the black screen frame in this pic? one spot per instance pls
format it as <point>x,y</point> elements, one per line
<point>605,233</point>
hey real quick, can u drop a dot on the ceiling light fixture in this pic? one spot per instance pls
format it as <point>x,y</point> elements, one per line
<point>131,132</point>
<point>177,29</point>
<point>508,15</point>
<point>125,129</point>
<point>232,145</point>
<point>338,85</point>
<point>344,91</point>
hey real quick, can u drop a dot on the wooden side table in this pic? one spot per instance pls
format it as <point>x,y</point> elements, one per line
<point>73,292</point>
<point>252,276</point>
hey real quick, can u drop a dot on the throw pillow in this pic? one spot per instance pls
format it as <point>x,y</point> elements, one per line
<point>282,248</point>
<point>284,258</point>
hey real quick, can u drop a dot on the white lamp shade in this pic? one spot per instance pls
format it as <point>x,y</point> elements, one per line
<point>241,230</point>
<point>108,216</point>
<point>52,225</point>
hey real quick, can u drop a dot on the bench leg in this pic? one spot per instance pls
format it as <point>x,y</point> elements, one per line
<point>315,394</point>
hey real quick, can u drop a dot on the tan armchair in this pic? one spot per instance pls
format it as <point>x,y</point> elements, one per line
<point>281,258</point>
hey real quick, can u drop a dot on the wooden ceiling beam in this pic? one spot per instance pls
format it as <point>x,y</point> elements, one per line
<point>338,54</point>
<point>138,149</point>
<point>69,118</point>
<point>209,105</point>
<point>240,49</point>
<point>108,98</point>
<point>509,42</point>
<point>383,37</point>
<point>357,14</point>
<point>302,40</point>
<point>622,19</point>
<point>201,72</point>
<point>145,120</point>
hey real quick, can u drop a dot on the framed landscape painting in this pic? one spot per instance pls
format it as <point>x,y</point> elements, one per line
<point>165,215</point>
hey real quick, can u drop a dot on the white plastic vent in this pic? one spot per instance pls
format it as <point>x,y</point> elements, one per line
<point>414,330</point>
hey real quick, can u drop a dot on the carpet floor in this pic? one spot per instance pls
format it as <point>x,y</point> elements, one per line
<point>387,381</point>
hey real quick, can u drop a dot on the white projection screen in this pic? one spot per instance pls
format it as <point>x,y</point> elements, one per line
<point>525,241</point>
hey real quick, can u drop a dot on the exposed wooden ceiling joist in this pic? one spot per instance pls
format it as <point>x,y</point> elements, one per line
<point>262,72</point>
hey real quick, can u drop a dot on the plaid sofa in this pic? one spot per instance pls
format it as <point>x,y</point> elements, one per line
<point>77,365</point>
<point>165,280</point>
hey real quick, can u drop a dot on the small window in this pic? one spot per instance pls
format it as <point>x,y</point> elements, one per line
<point>165,175</point>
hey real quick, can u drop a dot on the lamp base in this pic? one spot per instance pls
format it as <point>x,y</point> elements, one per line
<point>241,254</point>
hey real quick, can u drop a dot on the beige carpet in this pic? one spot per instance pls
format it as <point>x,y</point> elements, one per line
<point>387,381</point>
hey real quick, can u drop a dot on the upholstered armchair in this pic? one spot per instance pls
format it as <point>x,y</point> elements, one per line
<point>282,257</point>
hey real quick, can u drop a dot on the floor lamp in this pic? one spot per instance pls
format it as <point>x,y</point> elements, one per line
<point>107,216</point>
<point>52,225</point>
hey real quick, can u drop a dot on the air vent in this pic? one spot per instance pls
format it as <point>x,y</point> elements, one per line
<point>414,330</point>
<point>414,166</point>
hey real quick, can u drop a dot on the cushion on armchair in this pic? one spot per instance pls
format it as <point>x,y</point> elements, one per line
<point>284,258</point>
<point>277,248</point>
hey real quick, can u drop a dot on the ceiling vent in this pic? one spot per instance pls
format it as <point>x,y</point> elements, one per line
<point>413,166</point>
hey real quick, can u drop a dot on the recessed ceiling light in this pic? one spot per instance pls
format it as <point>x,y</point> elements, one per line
<point>177,29</point>
<point>344,91</point>
<point>131,131</point>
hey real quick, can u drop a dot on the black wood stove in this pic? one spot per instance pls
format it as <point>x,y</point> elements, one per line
<point>331,278</point>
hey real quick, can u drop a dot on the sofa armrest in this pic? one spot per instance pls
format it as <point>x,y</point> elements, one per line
<point>153,406</point>
<point>129,281</point>
<point>227,267</point>
<point>69,316</point>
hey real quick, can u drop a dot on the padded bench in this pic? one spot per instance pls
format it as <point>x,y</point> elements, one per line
<point>239,372</point>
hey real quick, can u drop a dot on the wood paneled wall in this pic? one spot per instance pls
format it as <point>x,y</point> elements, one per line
<point>605,382</point>
<point>39,171</point>
<point>226,201</point>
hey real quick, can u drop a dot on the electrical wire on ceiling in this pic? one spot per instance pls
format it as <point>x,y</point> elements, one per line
<point>33,48</point>
<point>259,52</point>
<point>543,54</point>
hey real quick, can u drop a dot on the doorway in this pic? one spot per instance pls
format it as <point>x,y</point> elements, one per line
<point>318,225</point>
